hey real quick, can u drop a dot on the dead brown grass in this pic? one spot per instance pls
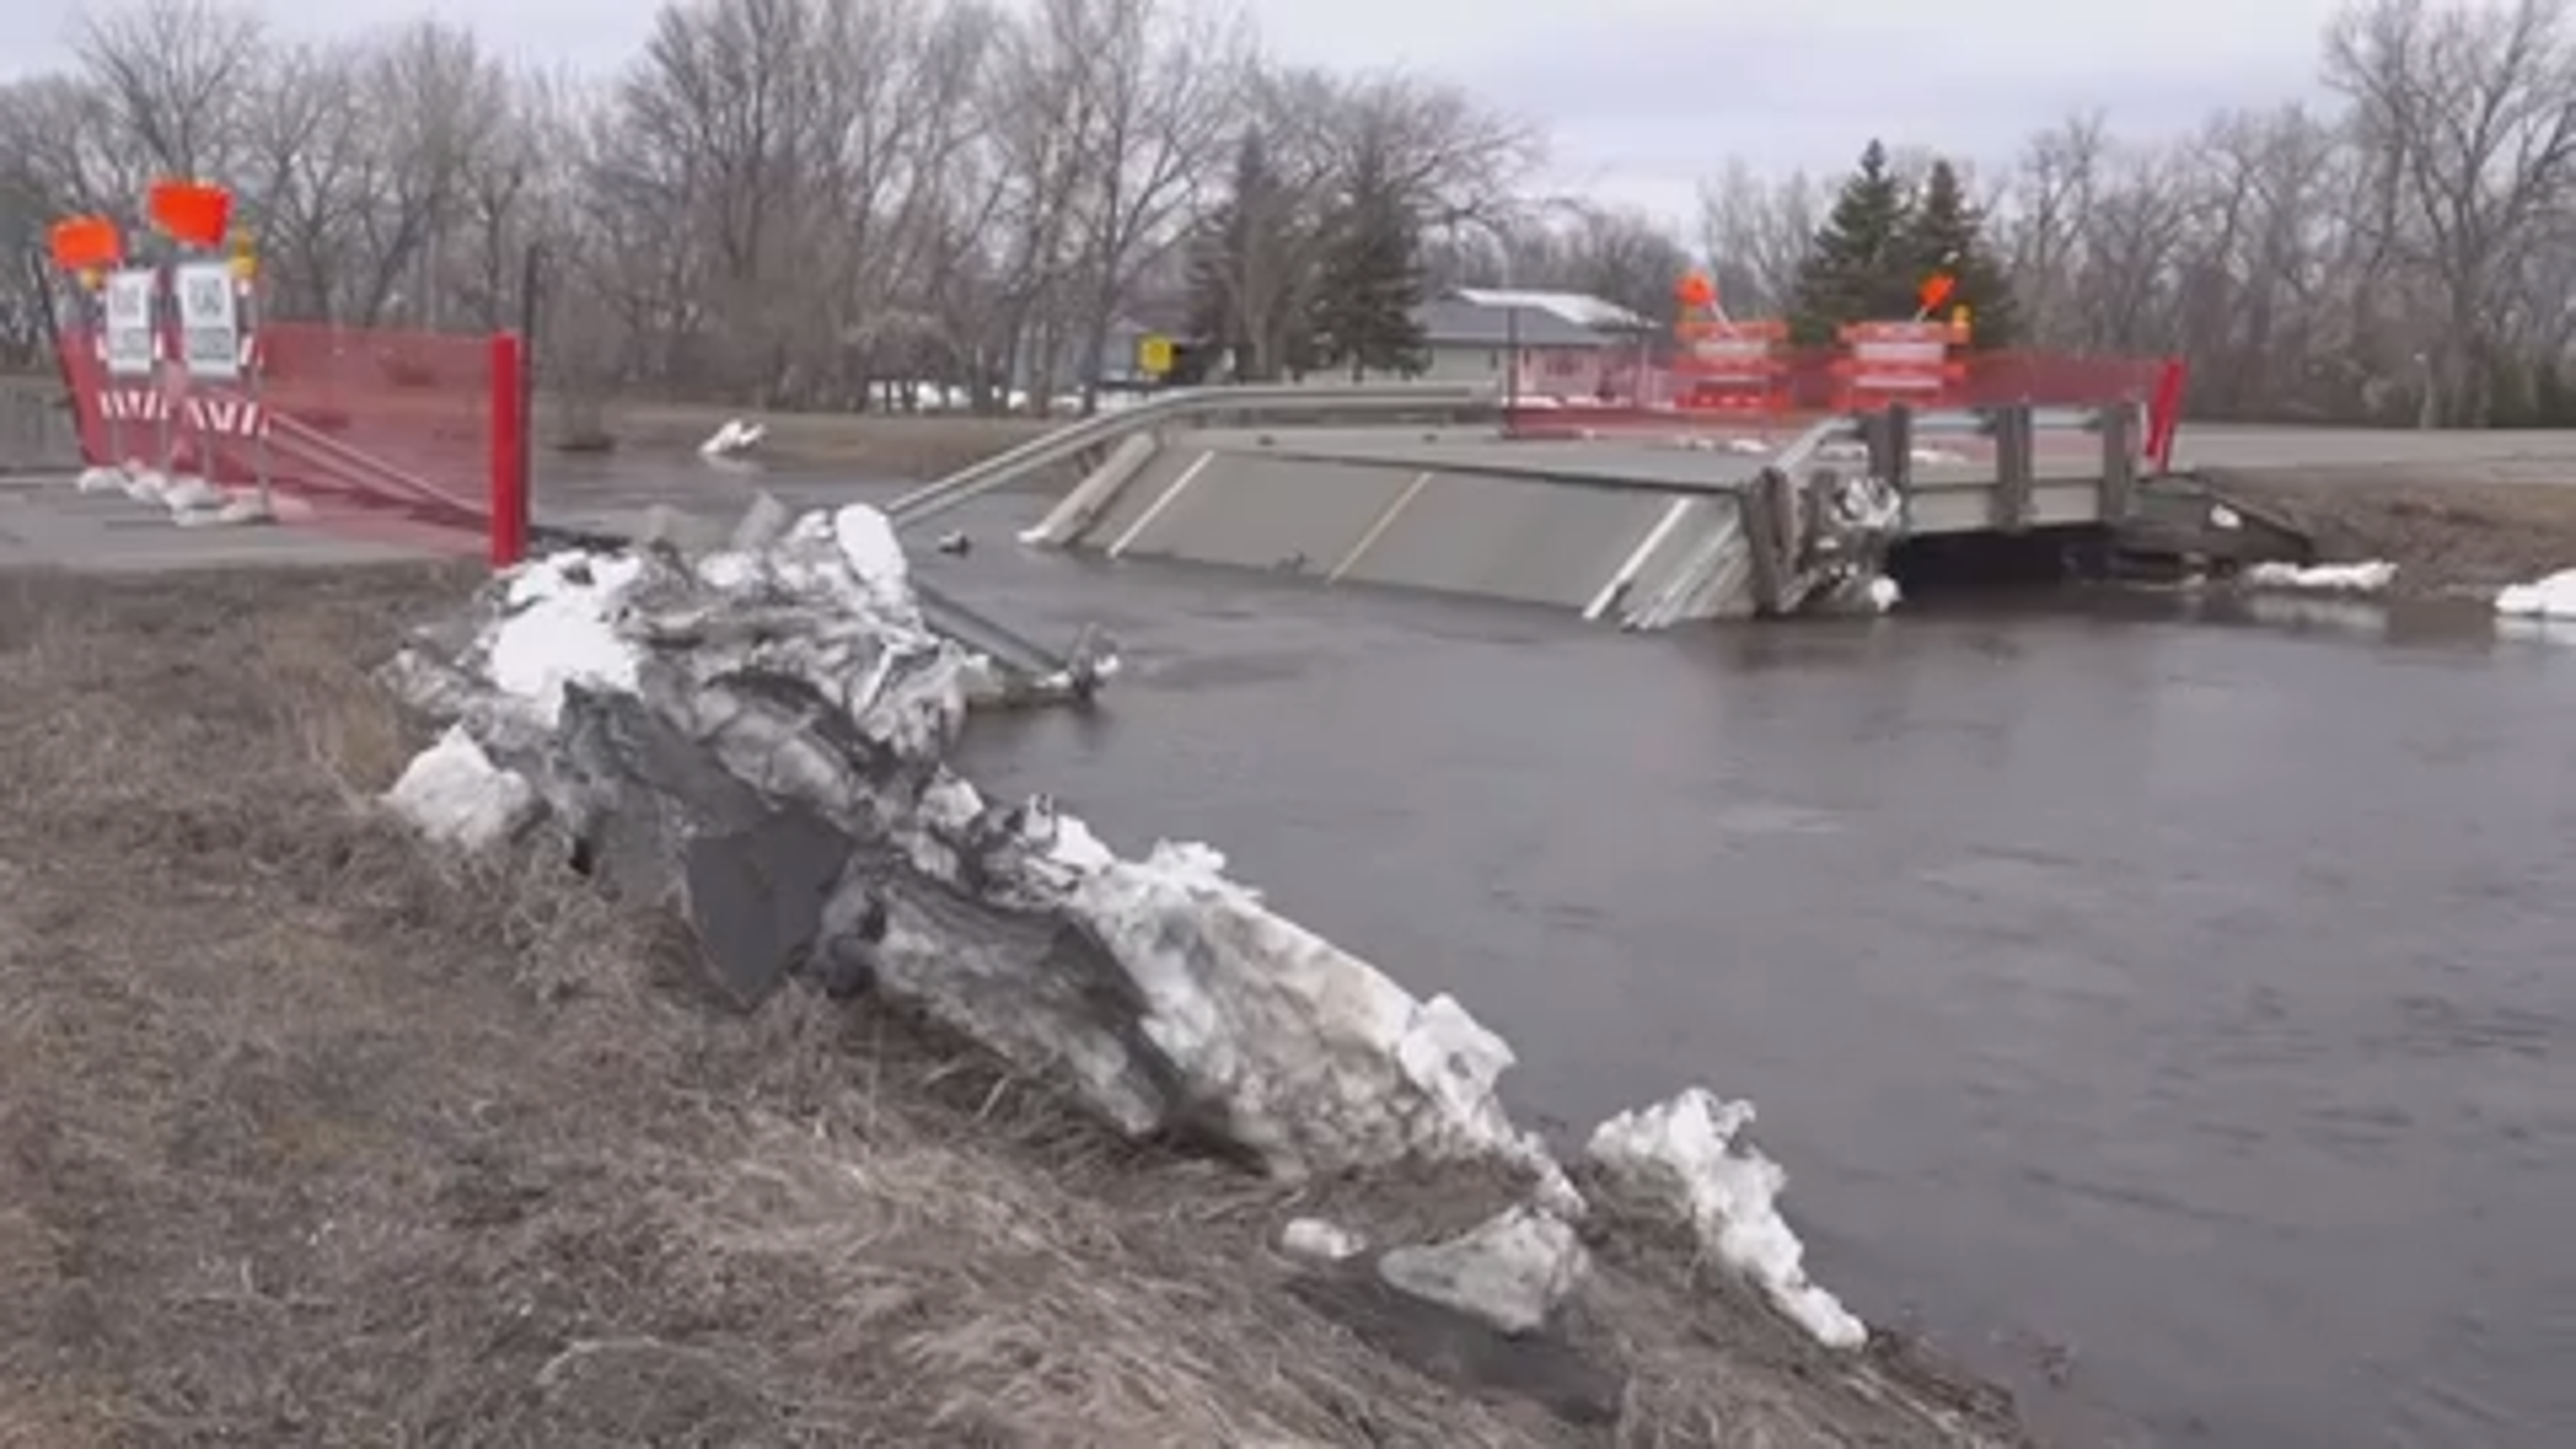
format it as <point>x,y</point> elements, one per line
<point>2445,534</point>
<point>307,1140</point>
<point>880,444</point>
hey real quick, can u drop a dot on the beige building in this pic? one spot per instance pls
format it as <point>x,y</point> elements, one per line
<point>1567,344</point>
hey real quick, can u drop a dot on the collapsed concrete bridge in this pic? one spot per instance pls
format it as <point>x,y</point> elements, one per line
<point>1418,487</point>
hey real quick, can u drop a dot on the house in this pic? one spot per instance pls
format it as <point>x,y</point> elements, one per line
<point>1568,344</point>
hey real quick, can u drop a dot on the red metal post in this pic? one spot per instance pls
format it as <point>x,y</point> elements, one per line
<point>509,460</point>
<point>2164,414</point>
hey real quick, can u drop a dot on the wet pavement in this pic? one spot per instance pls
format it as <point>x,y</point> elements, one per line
<point>46,522</point>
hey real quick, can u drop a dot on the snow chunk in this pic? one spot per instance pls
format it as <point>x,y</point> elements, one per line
<point>454,794</point>
<point>561,629</point>
<point>1682,1156</point>
<point>1317,1056</point>
<point>232,511</point>
<point>733,440</point>
<point>1324,1242</point>
<point>1511,1271</point>
<point>876,559</point>
<point>2346,578</point>
<point>188,493</point>
<point>100,480</point>
<point>146,485</point>
<point>2553,597</point>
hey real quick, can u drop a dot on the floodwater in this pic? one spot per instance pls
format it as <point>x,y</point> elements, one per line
<point>2176,1017</point>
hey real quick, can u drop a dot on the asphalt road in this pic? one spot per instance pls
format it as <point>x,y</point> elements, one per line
<point>43,522</point>
<point>46,523</point>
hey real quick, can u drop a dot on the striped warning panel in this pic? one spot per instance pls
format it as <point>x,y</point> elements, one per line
<point>133,404</point>
<point>230,417</point>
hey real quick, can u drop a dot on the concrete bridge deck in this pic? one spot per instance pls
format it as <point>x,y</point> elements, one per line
<point>1643,529</point>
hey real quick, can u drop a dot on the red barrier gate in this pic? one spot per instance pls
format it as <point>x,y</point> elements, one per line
<point>416,429</point>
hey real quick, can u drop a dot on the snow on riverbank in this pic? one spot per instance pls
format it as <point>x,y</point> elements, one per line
<point>791,689</point>
<point>2373,577</point>
<point>2553,597</point>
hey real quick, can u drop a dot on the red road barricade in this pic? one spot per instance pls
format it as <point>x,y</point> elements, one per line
<point>1802,386</point>
<point>356,426</point>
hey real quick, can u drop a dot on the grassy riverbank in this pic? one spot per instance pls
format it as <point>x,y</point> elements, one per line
<point>885,445</point>
<point>2448,534</point>
<point>307,1140</point>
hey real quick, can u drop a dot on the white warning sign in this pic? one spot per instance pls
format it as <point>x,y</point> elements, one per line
<point>128,334</point>
<point>209,320</point>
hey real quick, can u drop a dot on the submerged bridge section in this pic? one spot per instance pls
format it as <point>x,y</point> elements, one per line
<point>1639,530</point>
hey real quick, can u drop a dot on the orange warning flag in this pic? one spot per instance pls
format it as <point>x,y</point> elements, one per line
<point>1936,289</point>
<point>85,244</point>
<point>1696,292</point>
<point>192,212</point>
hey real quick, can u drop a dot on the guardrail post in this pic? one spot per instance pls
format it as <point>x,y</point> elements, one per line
<point>2015,432</point>
<point>2120,429</point>
<point>1889,436</point>
<point>1757,505</point>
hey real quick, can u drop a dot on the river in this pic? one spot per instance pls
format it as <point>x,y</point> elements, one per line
<point>2169,1012</point>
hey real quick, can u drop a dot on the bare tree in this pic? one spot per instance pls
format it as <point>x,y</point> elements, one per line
<point>172,77</point>
<point>2475,113</point>
<point>1753,235</point>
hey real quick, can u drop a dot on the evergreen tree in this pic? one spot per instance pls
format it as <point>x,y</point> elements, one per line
<point>1944,232</point>
<point>1371,279</point>
<point>1244,287</point>
<point>1858,267</point>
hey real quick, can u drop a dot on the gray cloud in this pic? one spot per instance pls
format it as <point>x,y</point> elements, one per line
<point>1640,96</point>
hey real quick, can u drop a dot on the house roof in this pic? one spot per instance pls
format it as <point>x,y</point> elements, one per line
<point>1456,321</point>
<point>1580,308</point>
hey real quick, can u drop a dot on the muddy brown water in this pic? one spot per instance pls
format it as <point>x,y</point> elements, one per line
<point>2169,1009</point>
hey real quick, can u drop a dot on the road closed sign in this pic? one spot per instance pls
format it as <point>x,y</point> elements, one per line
<point>127,334</point>
<point>209,320</point>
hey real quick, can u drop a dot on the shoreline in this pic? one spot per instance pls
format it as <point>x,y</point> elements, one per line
<point>2451,537</point>
<point>414,1142</point>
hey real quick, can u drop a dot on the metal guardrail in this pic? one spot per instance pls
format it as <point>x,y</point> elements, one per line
<point>1300,400</point>
<point>1889,434</point>
<point>1932,423</point>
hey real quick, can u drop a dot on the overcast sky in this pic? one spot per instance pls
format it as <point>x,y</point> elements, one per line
<point>1641,96</point>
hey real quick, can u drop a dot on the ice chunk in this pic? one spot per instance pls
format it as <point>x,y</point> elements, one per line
<point>1512,1270</point>
<point>2552,597</point>
<point>1318,1057</point>
<point>1681,1157</point>
<point>875,555</point>
<point>2344,578</point>
<point>454,794</point>
<point>1322,1241</point>
<point>560,630</point>
<point>733,440</point>
<point>146,485</point>
<point>188,493</point>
